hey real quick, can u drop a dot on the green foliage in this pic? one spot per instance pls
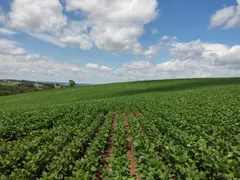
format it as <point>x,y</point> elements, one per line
<point>11,88</point>
<point>71,83</point>
<point>186,129</point>
<point>16,89</point>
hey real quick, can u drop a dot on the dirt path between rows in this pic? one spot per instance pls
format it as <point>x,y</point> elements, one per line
<point>130,150</point>
<point>109,149</point>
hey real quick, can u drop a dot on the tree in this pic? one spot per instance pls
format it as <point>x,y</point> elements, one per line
<point>71,83</point>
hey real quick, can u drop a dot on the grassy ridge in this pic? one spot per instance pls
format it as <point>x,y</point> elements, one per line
<point>109,91</point>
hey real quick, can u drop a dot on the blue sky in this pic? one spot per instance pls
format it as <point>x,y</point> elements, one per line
<point>123,40</point>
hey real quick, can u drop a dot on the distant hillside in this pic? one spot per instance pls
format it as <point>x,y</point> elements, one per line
<point>13,86</point>
<point>117,90</point>
<point>43,82</point>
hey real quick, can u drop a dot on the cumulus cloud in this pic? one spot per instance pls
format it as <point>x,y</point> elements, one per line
<point>210,54</point>
<point>116,25</point>
<point>105,68</point>
<point>76,32</point>
<point>188,60</point>
<point>17,63</point>
<point>137,65</point>
<point>84,41</point>
<point>227,17</point>
<point>186,51</point>
<point>231,57</point>
<point>7,47</point>
<point>7,43</point>
<point>164,43</point>
<point>114,37</point>
<point>91,66</point>
<point>152,50</point>
<point>110,25</point>
<point>37,16</point>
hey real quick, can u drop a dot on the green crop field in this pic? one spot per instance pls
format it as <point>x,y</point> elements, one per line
<point>170,129</point>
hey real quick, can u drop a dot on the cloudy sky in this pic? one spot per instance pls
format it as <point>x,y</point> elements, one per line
<point>102,41</point>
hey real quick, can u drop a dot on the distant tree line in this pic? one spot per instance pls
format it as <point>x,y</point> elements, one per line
<point>23,87</point>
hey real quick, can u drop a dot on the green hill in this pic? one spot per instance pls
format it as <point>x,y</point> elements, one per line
<point>116,90</point>
<point>168,129</point>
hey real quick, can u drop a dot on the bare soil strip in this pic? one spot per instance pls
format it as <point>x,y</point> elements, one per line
<point>141,113</point>
<point>109,149</point>
<point>141,127</point>
<point>130,150</point>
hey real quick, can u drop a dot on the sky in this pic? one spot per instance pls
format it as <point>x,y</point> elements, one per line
<point>104,41</point>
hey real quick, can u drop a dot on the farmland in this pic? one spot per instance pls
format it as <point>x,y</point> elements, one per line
<point>171,129</point>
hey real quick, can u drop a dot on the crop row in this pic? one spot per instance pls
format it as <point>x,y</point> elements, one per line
<point>53,150</point>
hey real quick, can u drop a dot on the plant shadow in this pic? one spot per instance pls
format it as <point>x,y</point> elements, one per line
<point>176,85</point>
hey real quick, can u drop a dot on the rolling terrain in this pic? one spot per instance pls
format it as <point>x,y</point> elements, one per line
<point>168,129</point>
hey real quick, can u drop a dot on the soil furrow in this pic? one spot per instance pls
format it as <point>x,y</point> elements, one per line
<point>130,150</point>
<point>141,113</point>
<point>109,149</point>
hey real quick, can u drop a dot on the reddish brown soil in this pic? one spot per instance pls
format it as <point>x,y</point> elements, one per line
<point>108,150</point>
<point>130,150</point>
<point>141,113</point>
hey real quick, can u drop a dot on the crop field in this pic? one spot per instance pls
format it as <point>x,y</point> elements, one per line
<point>171,129</point>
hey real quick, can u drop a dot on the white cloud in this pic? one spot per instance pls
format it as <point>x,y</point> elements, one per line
<point>113,37</point>
<point>91,66</point>
<point>110,25</point>
<point>7,47</point>
<point>116,25</point>
<point>210,54</point>
<point>7,43</point>
<point>154,30</point>
<point>152,50</point>
<point>74,28</point>
<point>231,57</point>
<point>120,11</point>
<point>165,38</point>
<point>48,38</point>
<point>84,41</point>
<point>37,16</point>
<point>137,65</point>
<point>222,16</point>
<point>76,32</point>
<point>2,16</point>
<point>16,63</point>
<point>105,68</point>
<point>188,60</point>
<point>228,17</point>
<point>185,51</point>
<point>7,31</point>
<point>18,51</point>
<point>164,43</point>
